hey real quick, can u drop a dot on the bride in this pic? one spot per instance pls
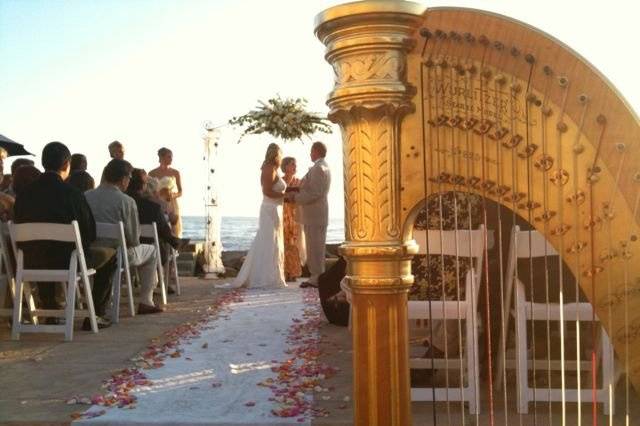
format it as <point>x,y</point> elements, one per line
<point>264,265</point>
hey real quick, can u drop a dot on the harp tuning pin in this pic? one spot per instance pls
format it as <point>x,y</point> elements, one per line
<point>454,35</point>
<point>500,79</point>
<point>483,40</point>
<point>577,247</point>
<point>531,98</point>
<point>498,45</point>
<point>636,177</point>
<point>469,37</point>
<point>607,211</point>
<point>441,34</point>
<point>583,99</point>
<point>562,127</point>
<point>429,63</point>
<point>563,81</point>
<point>425,33</point>
<point>593,271</point>
<point>621,147</point>
<point>515,52</point>
<point>547,70</point>
<point>633,238</point>
<point>443,64</point>
<point>602,120</point>
<point>608,254</point>
<point>529,58</point>
<point>471,69</point>
<point>578,148</point>
<point>486,73</point>
<point>548,112</point>
<point>516,88</point>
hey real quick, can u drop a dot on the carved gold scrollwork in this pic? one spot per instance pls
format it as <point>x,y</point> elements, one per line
<point>374,66</point>
<point>371,160</point>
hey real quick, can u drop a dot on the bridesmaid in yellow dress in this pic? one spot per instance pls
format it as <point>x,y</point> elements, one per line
<point>292,266</point>
<point>165,158</point>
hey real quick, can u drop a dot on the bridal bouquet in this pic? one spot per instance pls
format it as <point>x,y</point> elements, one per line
<point>286,119</point>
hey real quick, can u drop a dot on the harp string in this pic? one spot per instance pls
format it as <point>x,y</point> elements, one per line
<point>501,376</point>
<point>623,150</point>
<point>428,37</point>
<point>544,111</point>
<point>515,87</point>
<point>470,173</point>
<point>592,229</point>
<point>564,85</point>
<point>441,77</point>
<point>636,208</point>
<point>576,213</point>
<point>428,189</point>
<point>469,88</point>
<point>457,73</point>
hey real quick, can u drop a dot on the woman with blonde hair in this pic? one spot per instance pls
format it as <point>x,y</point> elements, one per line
<point>264,265</point>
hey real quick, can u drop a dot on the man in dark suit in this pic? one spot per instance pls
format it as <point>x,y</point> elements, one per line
<point>50,200</point>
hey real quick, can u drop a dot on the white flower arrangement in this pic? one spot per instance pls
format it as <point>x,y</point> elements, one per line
<point>286,119</point>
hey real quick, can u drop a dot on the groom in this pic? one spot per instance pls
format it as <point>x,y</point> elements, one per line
<point>312,199</point>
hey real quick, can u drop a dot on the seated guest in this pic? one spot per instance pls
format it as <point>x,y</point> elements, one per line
<point>23,177</point>
<point>116,150</point>
<point>78,163</point>
<point>81,180</point>
<point>49,199</point>
<point>20,162</point>
<point>110,204</point>
<point>17,164</point>
<point>149,212</point>
<point>5,180</point>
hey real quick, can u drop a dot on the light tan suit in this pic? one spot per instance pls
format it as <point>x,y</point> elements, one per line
<point>314,216</point>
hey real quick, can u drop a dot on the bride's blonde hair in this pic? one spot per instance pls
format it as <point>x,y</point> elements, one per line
<point>270,158</point>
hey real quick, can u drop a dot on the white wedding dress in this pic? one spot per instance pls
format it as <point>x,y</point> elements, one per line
<point>264,265</point>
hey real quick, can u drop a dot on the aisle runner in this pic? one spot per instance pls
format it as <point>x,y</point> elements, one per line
<point>212,379</point>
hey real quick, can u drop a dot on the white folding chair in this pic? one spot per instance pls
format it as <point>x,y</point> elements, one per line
<point>461,244</point>
<point>76,276</point>
<point>172,264</point>
<point>7,277</point>
<point>115,231</point>
<point>532,244</point>
<point>151,231</point>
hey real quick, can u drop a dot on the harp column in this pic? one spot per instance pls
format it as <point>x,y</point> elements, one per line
<point>367,44</point>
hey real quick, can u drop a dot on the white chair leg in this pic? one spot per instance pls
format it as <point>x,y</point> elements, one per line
<point>87,293</point>
<point>70,309</point>
<point>17,309</point>
<point>163,287</point>
<point>127,277</point>
<point>115,291</point>
<point>175,272</point>
<point>522,377</point>
<point>473,370</point>
<point>608,373</point>
<point>30,302</point>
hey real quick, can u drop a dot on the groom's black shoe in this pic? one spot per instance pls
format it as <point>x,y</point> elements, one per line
<point>307,284</point>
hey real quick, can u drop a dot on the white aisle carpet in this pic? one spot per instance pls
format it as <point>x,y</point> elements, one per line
<point>214,381</point>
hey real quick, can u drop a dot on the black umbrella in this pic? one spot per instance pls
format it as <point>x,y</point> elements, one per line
<point>12,147</point>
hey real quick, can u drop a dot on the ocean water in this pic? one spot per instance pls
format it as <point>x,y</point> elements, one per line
<point>238,232</point>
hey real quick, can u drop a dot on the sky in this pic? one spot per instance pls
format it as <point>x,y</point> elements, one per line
<point>150,73</point>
